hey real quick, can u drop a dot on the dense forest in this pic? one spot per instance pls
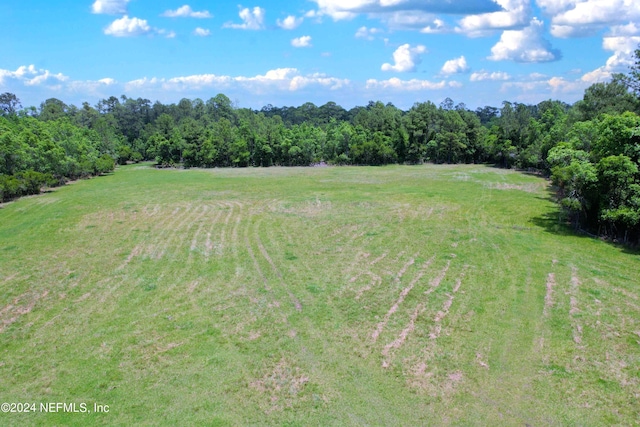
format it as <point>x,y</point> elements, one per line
<point>591,150</point>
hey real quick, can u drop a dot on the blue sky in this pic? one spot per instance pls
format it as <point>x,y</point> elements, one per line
<point>258,52</point>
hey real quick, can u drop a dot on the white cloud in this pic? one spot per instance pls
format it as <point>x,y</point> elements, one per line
<point>107,81</point>
<point>128,27</point>
<point>290,22</point>
<point>437,26</point>
<point>525,45</point>
<point>481,76</point>
<point>455,66</point>
<point>367,33</point>
<point>110,7</point>
<point>580,18</point>
<point>623,49</point>
<point>407,19</point>
<point>349,9</point>
<point>408,85</point>
<point>515,14</point>
<point>251,19</point>
<point>42,80</point>
<point>167,34</point>
<point>186,12</point>
<point>281,79</point>
<point>554,7</point>
<point>405,58</point>
<point>631,29</point>
<point>304,41</point>
<point>202,32</point>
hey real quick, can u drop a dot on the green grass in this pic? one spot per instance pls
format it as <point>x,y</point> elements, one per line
<point>314,296</point>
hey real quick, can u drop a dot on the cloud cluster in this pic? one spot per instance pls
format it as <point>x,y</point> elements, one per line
<point>110,7</point>
<point>252,19</point>
<point>405,58</point>
<point>128,27</point>
<point>578,18</point>
<point>287,79</point>
<point>367,33</point>
<point>201,32</point>
<point>455,66</point>
<point>397,84</point>
<point>290,22</point>
<point>623,49</point>
<point>526,45</point>
<point>340,9</point>
<point>186,12</point>
<point>514,14</point>
<point>304,41</point>
<point>481,76</point>
<point>31,76</point>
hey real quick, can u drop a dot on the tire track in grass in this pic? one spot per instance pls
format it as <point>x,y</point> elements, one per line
<point>199,213</point>
<point>397,343</point>
<point>420,308</point>
<point>234,230</point>
<point>403,294</point>
<point>435,332</point>
<point>368,271</point>
<point>177,230</point>
<point>375,281</point>
<point>573,291</point>
<point>194,240</point>
<point>256,265</point>
<point>225,226</point>
<point>360,256</point>
<point>166,230</point>
<point>200,219</point>
<point>208,243</point>
<point>266,256</point>
<point>548,298</point>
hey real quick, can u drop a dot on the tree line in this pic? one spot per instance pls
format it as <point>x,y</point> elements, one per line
<point>591,149</point>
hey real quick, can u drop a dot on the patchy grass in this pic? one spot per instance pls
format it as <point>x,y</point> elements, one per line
<point>314,296</point>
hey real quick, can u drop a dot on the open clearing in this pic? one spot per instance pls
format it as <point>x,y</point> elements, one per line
<point>426,295</point>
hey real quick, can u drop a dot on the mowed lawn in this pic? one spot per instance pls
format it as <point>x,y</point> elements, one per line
<point>422,295</point>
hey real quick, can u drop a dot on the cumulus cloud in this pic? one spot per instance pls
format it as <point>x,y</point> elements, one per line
<point>405,58</point>
<point>408,19</point>
<point>252,19</point>
<point>304,41</point>
<point>110,7</point>
<point>288,79</point>
<point>31,76</point>
<point>481,76</point>
<point>514,14</point>
<point>41,81</point>
<point>580,18</point>
<point>340,9</point>
<point>128,27</point>
<point>437,26</point>
<point>186,12</point>
<point>397,84</point>
<point>623,49</point>
<point>525,45</point>
<point>367,33</point>
<point>455,66</point>
<point>290,22</point>
<point>201,32</point>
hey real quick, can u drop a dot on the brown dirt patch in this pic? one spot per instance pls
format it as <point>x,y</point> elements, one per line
<point>282,386</point>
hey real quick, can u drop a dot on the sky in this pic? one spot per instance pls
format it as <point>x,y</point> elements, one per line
<point>286,53</point>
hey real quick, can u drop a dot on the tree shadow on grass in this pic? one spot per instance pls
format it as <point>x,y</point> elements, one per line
<point>555,221</point>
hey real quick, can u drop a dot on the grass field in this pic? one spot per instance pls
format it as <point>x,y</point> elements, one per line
<point>426,295</point>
